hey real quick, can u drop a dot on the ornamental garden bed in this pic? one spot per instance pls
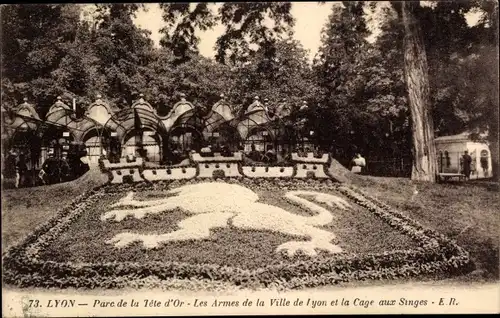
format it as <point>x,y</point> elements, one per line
<point>247,232</point>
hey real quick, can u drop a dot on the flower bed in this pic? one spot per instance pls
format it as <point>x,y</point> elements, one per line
<point>49,258</point>
<point>358,232</point>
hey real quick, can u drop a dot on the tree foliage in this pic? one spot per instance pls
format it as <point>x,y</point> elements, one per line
<point>38,37</point>
<point>355,89</point>
<point>260,24</point>
<point>124,51</point>
<point>342,112</point>
<point>179,33</point>
<point>284,76</point>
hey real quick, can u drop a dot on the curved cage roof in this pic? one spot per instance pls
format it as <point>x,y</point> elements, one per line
<point>100,110</point>
<point>79,126</point>
<point>127,119</point>
<point>192,118</point>
<point>224,109</point>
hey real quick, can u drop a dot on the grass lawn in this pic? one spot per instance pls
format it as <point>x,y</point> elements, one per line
<point>467,213</point>
<point>25,209</point>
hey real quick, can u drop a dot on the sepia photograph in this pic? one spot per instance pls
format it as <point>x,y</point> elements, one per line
<point>201,158</point>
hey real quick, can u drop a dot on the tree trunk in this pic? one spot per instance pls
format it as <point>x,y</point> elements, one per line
<point>494,157</point>
<point>417,82</point>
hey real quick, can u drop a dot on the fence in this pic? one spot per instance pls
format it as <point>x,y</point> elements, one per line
<point>389,167</point>
<point>399,167</point>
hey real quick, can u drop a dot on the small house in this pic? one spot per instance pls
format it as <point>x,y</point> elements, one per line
<point>450,149</point>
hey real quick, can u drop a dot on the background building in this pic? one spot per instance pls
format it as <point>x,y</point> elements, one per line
<point>450,150</point>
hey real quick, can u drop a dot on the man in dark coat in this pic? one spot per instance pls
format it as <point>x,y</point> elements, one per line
<point>50,172</point>
<point>9,171</point>
<point>22,169</point>
<point>466,161</point>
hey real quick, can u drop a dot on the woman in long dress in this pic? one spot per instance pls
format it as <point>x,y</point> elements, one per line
<point>358,164</point>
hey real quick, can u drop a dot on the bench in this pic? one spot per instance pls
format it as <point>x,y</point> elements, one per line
<point>447,176</point>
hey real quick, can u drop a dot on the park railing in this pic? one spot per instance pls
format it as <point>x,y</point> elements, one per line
<point>399,167</point>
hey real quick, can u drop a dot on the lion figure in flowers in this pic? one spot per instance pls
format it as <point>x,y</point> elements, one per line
<point>217,204</point>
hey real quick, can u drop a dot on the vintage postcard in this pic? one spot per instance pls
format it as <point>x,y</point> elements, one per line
<point>250,158</point>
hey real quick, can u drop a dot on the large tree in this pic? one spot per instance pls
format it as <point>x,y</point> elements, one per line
<point>384,91</point>
<point>38,36</point>
<point>124,51</point>
<point>462,66</point>
<point>247,27</point>
<point>417,81</point>
<point>284,76</point>
<point>341,114</point>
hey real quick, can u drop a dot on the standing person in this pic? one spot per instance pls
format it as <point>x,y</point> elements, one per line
<point>9,171</point>
<point>466,161</point>
<point>21,169</point>
<point>484,165</point>
<point>50,169</point>
<point>358,164</point>
<point>65,171</point>
<point>253,154</point>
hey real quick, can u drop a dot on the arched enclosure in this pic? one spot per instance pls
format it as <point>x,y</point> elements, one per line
<point>22,151</point>
<point>96,142</point>
<point>56,140</point>
<point>136,131</point>
<point>147,140</point>
<point>33,140</point>
<point>105,130</point>
<point>185,138</point>
<point>220,130</point>
<point>259,138</point>
<point>26,145</point>
<point>187,132</point>
<point>68,129</point>
<point>226,135</point>
<point>20,129</point>
<point>255,132</point>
